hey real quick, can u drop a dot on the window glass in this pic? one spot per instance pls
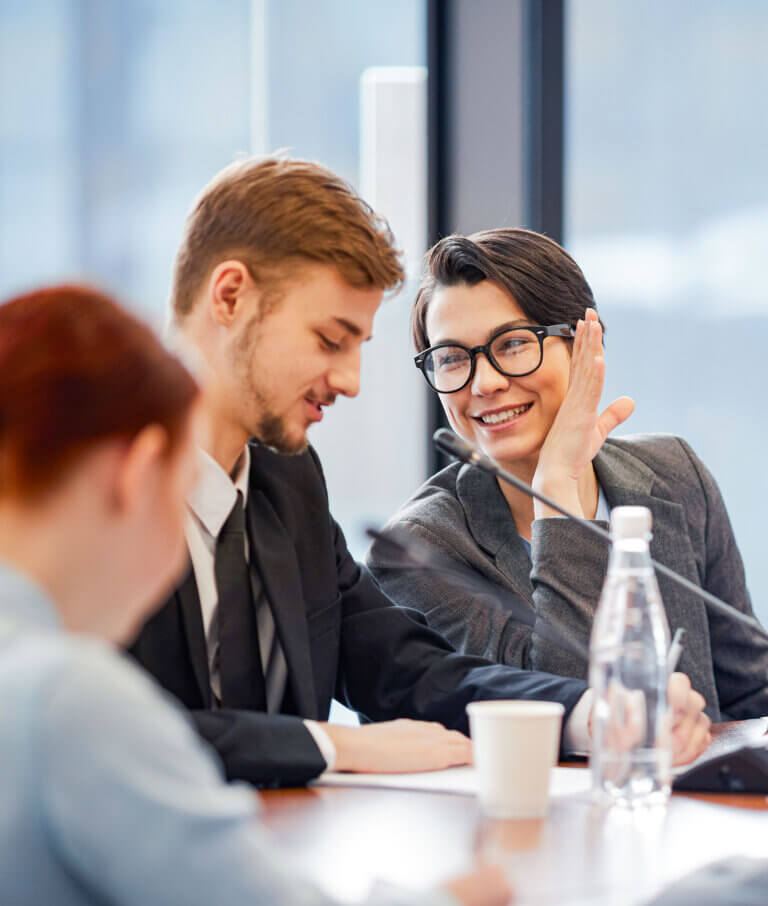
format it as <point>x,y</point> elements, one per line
<point>114,114</point>
<point>667,212</point>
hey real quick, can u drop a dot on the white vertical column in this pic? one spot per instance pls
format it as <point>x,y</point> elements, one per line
<point>393,153</point>
<point>373,447</point>
<point>383,463</point>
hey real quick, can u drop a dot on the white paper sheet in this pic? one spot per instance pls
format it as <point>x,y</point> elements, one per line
<point>462,781</point>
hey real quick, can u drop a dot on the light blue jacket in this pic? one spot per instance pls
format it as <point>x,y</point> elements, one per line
<point>106,793</point>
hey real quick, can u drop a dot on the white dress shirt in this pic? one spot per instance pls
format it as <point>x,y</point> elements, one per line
<point>209,506</point>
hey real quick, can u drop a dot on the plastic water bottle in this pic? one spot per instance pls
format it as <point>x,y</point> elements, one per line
<point>631,739</point>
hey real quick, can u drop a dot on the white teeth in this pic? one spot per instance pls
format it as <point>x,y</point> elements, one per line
<point>494,418</point>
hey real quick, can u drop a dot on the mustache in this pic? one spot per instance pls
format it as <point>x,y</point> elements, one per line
<point>323,399</point>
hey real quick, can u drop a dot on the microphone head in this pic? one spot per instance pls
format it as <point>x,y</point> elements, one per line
<point>453,445</point>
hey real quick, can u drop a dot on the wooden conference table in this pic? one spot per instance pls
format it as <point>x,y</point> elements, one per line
<point>347,838</point>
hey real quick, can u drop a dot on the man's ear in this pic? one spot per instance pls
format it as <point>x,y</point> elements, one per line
<point>138,468</point>
<point>229,282</point>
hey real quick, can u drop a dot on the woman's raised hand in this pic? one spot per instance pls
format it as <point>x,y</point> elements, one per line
<point>578,432</point>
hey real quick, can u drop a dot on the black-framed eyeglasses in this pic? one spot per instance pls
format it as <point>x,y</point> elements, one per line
<point>513,352</point>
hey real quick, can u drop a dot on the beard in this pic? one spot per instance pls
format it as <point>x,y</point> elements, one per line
<point>263,423</point>
<point>271,431</point>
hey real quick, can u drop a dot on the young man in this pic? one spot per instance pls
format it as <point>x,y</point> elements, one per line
<point>278,278</point>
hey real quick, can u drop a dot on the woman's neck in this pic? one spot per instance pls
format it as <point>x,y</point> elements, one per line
<point>47,543</point>
<point>522,507</point>
<point>41,561</point>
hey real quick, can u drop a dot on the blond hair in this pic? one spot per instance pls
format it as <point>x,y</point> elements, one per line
<point>273,212</point>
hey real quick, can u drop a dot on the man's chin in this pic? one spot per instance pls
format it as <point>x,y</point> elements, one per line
<point>272,434</point>
<point>285,449</point>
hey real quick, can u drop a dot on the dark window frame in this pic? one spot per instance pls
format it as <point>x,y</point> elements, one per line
<point>460,67</point>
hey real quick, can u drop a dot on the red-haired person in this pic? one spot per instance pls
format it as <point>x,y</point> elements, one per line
<point>108,795</point>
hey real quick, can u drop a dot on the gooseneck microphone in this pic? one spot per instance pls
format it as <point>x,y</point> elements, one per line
<point>450,443</point>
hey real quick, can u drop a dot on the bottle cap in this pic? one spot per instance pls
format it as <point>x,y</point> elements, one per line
<point>630,522</point>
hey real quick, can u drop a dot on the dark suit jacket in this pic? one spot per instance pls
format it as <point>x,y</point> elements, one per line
<point>462,513</point>
<point>341,635</point>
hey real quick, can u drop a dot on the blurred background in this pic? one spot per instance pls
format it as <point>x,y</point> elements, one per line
<point>635,133</point>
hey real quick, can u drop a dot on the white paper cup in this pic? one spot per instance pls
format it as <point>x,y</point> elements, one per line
<point>515,746</point>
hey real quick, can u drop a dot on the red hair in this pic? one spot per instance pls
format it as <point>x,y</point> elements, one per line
<point>75,368</point>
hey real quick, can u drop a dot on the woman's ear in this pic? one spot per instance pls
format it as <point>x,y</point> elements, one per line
<point>138,467</point>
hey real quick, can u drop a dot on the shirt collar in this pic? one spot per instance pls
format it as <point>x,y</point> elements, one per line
<point>243,467</point>
<point>215,493</point>
<point>603,513</point>
<point>22,600</point>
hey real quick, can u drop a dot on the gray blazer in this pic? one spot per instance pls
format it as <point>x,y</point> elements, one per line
<point>462,513</point>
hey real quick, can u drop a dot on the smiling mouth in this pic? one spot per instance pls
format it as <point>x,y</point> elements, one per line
<point>503,415</point>
<point>316,407</point>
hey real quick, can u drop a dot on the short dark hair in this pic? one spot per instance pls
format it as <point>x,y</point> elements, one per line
<point>274,212</point>
<point>538,273</point>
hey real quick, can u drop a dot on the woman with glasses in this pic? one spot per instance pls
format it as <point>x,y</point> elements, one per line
<point>108,795</point>
<point>509,339</point>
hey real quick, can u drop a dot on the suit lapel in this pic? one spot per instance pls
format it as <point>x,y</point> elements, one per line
<point>191,613</point>
<point>627,481</point>
<point>273,554</point>
<point>491,524</point>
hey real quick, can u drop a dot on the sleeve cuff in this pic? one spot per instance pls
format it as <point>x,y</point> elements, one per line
<point>577,740</point>
<point>324,742</point>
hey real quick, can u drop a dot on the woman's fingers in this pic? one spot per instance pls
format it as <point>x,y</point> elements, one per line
<point>578,430</point>
<point>586,381</point>
<point>577,339</point>
<point>618,412</point>
<point>587,352</point>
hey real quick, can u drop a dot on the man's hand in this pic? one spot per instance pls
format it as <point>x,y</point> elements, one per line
<point>398,746</point>
<point>690,726</point>
<point>486,886</point>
